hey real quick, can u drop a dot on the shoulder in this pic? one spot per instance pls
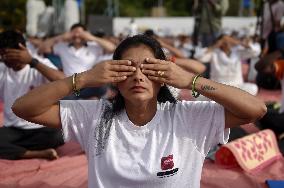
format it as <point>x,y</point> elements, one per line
<point>187,105</point>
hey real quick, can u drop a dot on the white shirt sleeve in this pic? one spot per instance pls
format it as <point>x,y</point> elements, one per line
<point>204,122</point>
<point>79,118</point>
<point>246,53</point>
<point>58,48</point>
<point>95,48</point>
<point>204,55</point>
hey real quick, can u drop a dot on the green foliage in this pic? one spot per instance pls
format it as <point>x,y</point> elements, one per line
<point>12,14</point>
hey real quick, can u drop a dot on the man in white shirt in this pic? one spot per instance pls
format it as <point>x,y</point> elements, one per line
<point>79,51</point>
<point>225,62</point>
<point>20,73</point>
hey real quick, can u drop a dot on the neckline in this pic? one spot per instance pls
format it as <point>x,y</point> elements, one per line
<point>148,126</point>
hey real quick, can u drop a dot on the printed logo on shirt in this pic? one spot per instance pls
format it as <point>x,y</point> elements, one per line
<point>167,165</point>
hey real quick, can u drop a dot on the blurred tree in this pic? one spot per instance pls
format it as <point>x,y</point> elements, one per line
<point>13,14</point>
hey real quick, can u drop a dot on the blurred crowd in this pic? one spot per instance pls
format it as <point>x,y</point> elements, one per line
<point>29,61</point>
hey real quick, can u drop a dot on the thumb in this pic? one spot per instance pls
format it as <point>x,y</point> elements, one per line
<point>22,47</point>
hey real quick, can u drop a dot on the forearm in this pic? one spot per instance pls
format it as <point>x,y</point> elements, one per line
<point>191,65</point>
<point>176,52</point>
<point>50,73</point>
<point>238,102</point>
<point>107,45</point>
<point>42,98</point>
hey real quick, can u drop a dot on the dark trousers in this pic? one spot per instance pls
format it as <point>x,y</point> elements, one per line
<point>14,142</point>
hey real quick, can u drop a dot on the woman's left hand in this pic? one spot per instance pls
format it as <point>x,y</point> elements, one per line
<point>167,72</point>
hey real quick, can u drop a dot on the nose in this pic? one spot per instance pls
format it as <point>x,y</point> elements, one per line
<point>138,75</point>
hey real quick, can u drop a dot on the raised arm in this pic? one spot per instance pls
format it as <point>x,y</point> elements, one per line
<point>41,105</point>
<point>190,65</point>
<point>108,46</point>
<point>174,51</point>
<point>23,56</point>
<point>47,45</point>
<point>240,106</point>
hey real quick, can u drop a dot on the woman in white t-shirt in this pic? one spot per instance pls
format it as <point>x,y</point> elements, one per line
<point>143,137</point>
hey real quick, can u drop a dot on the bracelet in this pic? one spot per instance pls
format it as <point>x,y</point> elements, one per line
<point>195,94</point>
<point>34,63</point>
<point>74,87</point>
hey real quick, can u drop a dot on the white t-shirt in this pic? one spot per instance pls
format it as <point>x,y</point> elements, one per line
<point>227,69</point>
<point>77,60</point>
<point>168,151</point>
<point>14,84</point>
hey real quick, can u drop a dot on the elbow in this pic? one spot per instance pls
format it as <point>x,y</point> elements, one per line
<point>263,111</point>
<point>259,112</point>
<point>17,109</point>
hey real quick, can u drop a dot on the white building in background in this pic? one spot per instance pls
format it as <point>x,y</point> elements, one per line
<point>42,20</point>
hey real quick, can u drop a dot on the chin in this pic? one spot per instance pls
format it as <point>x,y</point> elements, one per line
<point>140,98</point>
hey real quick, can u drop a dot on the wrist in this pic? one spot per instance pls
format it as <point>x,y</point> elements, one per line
<point>81,80</point>
<point>33,63</point>
<point>194,91</point>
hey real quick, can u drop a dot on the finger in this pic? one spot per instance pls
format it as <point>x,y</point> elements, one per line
<point>11,56</point>
<point>155,73</point>
<point>118,79</point>
<point>151,60</point>
<point>120,62</point>
<point>119,74</point>
<point>22,47</point>
<point>158,79</point>
<point>12,51</point>
<point>155,67</point>
<point>123,68</point>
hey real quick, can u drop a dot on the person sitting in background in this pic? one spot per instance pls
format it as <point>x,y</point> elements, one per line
<point>20,73</point>
<point>143,137</point>
<point>79,51</point>
<point>225,62</point>
<point>273,63</point>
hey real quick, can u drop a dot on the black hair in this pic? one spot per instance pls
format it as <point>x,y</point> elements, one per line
<point>117,104</point>
<point>78,25</point>
<point>149,32</point>
<point>11,39</point>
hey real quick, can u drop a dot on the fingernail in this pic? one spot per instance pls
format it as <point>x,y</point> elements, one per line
<point>129,62</point>
<point>141,66</point>
<point>147,59</point>
<point>134,68</point>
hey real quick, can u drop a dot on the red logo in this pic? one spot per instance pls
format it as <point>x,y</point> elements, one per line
<point>167,162</point>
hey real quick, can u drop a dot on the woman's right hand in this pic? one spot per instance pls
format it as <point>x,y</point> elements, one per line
<point>106,72</point>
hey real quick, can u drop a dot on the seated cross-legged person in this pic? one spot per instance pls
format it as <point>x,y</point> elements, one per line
<point>20,73</point>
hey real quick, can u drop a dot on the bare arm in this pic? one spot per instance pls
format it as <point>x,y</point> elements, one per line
<point>240,106</point>
<point>43,102</point>
<point>50,73</point>
<point>47,45</point>
<point>108,46</point>
<point>190,65</point>
<point>23,56</point>
<point>174,51</point>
